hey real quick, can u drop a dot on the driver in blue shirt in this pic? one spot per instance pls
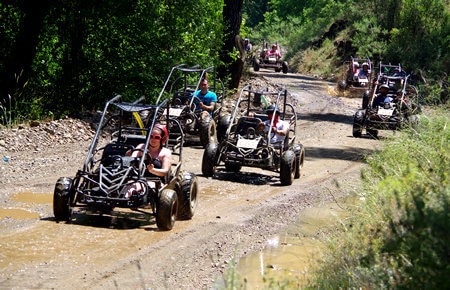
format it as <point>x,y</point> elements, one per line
<point>208,99</point>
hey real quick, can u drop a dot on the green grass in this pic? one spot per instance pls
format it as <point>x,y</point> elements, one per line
<point>399,238</point>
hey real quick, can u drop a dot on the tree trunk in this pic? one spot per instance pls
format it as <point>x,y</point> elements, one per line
<point>21,58</point>
<point>232,17</point>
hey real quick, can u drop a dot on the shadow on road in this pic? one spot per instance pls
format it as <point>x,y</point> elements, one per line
<point>349,153</point>
<point>329,117</point>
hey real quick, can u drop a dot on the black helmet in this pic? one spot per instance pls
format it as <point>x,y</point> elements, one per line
<point>272,108</point>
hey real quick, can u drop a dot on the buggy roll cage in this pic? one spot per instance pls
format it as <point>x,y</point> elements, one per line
<point>144,130</point>
<point>281,93</point>
<point>194,88</point>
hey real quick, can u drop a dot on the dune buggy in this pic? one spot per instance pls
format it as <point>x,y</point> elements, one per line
<point>107,170</point>
<point>244,145</point>
<point>400,111</point>
<point>182,105</point>
<point>351,77</point>
<point>270,61</point>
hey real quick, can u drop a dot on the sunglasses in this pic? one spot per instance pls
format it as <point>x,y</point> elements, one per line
<point>157,137</point>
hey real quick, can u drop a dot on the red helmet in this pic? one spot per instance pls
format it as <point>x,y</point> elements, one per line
<point>164,132</point>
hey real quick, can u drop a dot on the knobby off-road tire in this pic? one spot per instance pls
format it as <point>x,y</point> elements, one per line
<point>287,170</point>
<point>208,132</point>
<point>256,65</point>
<point>285,67</point>
<point>209,160</point>
<point>277,69</point>
<point>342,85</point>
<point>166,210</point>
<point>358,124</point>
<point>224,123</point>
<point>187,196</point>
<point>299,159</point>
<point>62,208</point>
<point>365,100</point>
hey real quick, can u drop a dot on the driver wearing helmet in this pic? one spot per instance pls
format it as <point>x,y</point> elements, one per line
<point>274,51</point>
<point>161,159</point>
<point>247,45</point>
<point>280,128</point>
<point>364,71</point>
<point>382,96</point>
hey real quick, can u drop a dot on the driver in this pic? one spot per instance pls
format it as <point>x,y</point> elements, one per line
<point>382,96</point>
<point>208,99</point>
<point>274,51</point>
<point>161,159</point>
<point>364,72</point>
<point>280,128</point>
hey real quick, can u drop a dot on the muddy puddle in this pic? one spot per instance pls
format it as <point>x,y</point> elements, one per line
<point>25,201</point>
<point>289,258</point>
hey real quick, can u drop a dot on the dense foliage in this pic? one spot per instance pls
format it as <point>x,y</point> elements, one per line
<point>320,35</point>
<point>399,237</point>
<point>88,51</point>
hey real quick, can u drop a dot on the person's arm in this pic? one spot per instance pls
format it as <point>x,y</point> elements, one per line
<point>166,159</point>
<point>207,108</point>
<point>283,131</point>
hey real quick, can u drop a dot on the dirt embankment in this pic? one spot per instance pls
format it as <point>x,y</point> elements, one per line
<point>236,214</point>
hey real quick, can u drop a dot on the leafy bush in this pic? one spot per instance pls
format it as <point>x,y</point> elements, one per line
<point>399,237</point>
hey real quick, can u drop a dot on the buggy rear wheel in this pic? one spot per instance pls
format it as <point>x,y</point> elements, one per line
<point>285,67</point>
<point>358,124</point>
<point>256,65</point>
<point>209,160</point>
<point>166,210</point>
<point>222,127</point>
<point>207,131</point>
<point>287,170</point>
<point>187,196</point>
<point>62,208</point>
<point>299,159</point>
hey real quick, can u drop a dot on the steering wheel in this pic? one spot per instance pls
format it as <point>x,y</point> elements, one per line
<point>194,106</point>
<point>147,159</point>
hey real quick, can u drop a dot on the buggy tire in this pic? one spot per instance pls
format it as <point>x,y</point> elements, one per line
<point>372,132</point>
<point>277,69</point>
<point>166,210</point>
<point>299,159</point>
<point>207,131</point>
<point>230,167</point>
<point>209,160</point>
<point>224,123</point>
<point>285,67</point>
<point>342,85</point>
<point>365,100</point>
<point>358,124</point>
<point>62,208</point>
<point>256,65</point>
<point>287,170</point>
<point>187,196</point>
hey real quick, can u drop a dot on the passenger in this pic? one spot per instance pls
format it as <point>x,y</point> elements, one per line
<point>161,157</point>
<point>382,96</point>
<point>364,72</point>
<point>208,99</point>
<point>280,128</point>
<point>274,51</point>
<point>247,45</point>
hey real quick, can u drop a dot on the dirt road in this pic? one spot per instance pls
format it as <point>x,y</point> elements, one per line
<point>236,213</point>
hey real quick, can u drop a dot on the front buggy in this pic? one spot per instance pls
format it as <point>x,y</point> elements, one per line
<point>400,111</point>
<point>108,170</point>
<point>179,89</point>
<point>244,145</point>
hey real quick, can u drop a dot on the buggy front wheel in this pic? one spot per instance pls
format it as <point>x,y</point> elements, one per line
<point>287,170</point>
<point>166,210</point>
<point>62,208</point>
<point>299,159</point>
<point>207,131</point>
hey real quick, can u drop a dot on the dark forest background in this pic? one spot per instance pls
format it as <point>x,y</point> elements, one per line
<point>62,57</point>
